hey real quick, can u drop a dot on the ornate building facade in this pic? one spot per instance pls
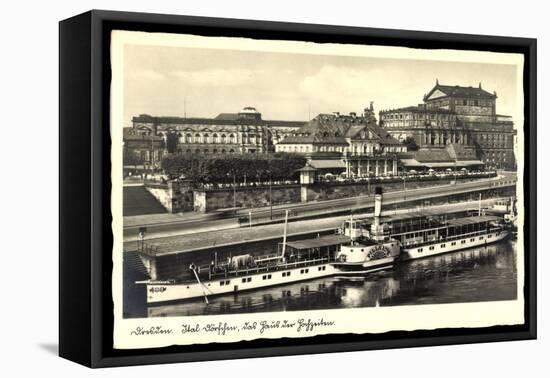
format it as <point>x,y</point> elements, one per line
<point>456,115</point>
<point>142,151</point>
<point>243,132</point>
<point>351,143</point>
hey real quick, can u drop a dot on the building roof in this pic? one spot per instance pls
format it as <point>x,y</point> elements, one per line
<point>411,163</point>
<point>336,128</point>
<point>313,139</point>
<point>220,119</point>
<point>326,164</point>
<point>130,134</point>
<point>459,152</point>
<point>426,155</point>
<point>421,108</point>
<point>323,241</point>
<point>472,220</point>
<point>459,91</point>
<point>468,163</point>
<point>227,116</point>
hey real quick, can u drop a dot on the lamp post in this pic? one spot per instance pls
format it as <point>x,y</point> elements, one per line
<point>234,193</point>
<point>142,232</point>
<point>404,188</point>
<point>270,198</point>
<point>455,172</point>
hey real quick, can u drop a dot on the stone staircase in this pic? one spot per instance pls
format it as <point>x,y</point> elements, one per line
<point>138,201</point>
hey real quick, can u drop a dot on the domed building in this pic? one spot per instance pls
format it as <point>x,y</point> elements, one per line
<point>227,133</point>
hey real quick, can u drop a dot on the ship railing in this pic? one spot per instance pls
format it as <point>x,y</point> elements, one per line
<point>265,268</point>
<point>455,237</point>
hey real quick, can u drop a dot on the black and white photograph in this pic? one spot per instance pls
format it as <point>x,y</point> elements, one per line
<point>270,178</point>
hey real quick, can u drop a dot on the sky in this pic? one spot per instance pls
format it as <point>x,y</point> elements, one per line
<point>178,81</point>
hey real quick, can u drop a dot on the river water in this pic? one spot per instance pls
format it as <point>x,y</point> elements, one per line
<point>472,275</point>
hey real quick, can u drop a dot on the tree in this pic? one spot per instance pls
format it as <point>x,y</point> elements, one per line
<point>222,168</point>
<point>171,142</point>
<point>131,157</point>
<point>410,143</point>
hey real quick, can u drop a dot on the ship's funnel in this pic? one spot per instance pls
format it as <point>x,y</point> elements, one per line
<point>378,201</point>
<point>377,231</point>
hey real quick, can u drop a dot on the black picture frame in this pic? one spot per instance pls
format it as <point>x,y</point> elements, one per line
<point>85,236</point>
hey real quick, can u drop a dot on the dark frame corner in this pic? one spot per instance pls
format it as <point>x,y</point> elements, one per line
<point>85,307</point>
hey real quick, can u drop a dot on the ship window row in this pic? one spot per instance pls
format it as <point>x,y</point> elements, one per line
<point>322,268</point>
<point>442,245</point>
<point>266,277</point>
<point>224,282</point>
<point>286,274</point>
<point>302,271</point>
<point>489,236</point>
<point>432,248</point>
<point>453,243</point>
<point>463,242</point>
<point>472,239</point>
<point>247,279</point>
<point>419,249</point>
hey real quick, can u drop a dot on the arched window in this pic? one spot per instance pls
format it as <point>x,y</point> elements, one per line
<point>223,151</point>
<point>188,138</point>
<point>215,138</point>
<point>231,151</point>
<point>197,151</point>
<point>188,151</point>
<point>214,151</point>
<point>231,138</point>
<point>197,138</point>
<point>223,138</point>
<point>205,152</point>
<point>205,138</point>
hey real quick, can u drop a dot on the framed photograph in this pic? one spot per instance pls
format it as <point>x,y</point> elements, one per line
<point>234,188</point>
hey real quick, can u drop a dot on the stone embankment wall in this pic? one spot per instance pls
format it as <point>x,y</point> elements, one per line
<point>178,197</point>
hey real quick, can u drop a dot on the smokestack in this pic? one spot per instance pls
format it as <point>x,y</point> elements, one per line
<point>377,202</point>
<point>377,231</point>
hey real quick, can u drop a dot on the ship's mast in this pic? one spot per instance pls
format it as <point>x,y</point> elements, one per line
<point>479,206</point>
<point>284,234</point>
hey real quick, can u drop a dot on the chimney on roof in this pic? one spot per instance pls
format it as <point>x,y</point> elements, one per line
<point>371,106</point>
<point>480,85</point>
<point>436,81</point>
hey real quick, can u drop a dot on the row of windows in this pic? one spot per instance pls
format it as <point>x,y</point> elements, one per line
<point>205,138</point>
<point>416,116</point>
<point>453,243</point>
<point>465,102</point>
<point>206,151</point>
<point>269,276</point>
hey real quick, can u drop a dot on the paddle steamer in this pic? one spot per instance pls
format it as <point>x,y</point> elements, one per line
<point>360,247</point>
<point>340,254</point>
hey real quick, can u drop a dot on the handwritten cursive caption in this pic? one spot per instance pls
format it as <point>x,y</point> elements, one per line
<point>262,327</point>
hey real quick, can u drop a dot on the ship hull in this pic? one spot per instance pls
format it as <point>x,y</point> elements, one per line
<point>170,292</point>
<point>441,247</point>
